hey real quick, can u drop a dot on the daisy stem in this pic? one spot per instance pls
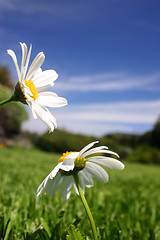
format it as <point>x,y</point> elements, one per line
<point>85,204</point>
<point>11,99</point>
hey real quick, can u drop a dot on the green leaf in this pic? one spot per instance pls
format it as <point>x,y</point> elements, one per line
<point>74,234</point>
<point>5,229</point>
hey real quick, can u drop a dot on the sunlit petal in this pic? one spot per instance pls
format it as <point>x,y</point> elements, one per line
<point>107,162</point>
<point>32,85</point>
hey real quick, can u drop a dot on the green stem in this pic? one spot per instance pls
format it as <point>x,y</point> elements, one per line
<point>11,99</point>
<point>85,204</point>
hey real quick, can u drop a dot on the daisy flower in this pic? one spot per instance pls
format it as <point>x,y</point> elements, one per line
<point>32,84</point>
<point>85,164</point>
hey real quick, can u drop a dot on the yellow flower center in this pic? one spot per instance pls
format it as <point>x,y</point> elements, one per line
<point>63,157</point>
<point>32,88</point>
<point>79,163</point>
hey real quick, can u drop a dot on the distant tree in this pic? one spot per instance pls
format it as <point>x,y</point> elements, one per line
<point>11,115</point>
<point>153,137</point>
<point>145,153</point>
<point>124,139</point>
<point>157,126</point>
<point>5,78</point>
<point>62,141</point>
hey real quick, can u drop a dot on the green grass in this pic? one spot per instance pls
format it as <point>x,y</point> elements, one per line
<point>127,207</point>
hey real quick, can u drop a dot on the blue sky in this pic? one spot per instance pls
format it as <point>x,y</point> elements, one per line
<point>107,55</point>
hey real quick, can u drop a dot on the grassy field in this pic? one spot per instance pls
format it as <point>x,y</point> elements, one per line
<point>127,207</point>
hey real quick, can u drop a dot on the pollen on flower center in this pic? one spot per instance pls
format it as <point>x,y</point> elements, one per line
<point>63,157</point>
<point>79,164</point>
<point>32,88</point>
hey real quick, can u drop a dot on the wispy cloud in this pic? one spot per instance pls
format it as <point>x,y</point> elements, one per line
<point>109,82</point>
<point>67,9</point>
<point>140,112</point>
<point>99,119</point>
<point>148,26</point>
<point>7,4</point>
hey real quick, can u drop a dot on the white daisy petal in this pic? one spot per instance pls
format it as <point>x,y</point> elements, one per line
<point>50,100</point>
<point>107,162</point>
<point>36,64</point>
<point>44,85</point>
<point>30,104</point>
<point>85,180</point>
<point>66,187</point>
<point>24,54</point>
<point>50,176</point>
<point>72,155</point>
<point>97,171</point>
<point>46,76</point>
<point>45,116</point>
<point>27,92</point>
<point>42,89</point>
<point>95,151</point>
<point>41,186</point>
<point>13,56</point>
<point>53,184</point>
<point>68,165</point>
<point>75,187</point>
<point>87,147</point>
<point>44,94</point>
<point>55,170</point>
<point>26,65</point>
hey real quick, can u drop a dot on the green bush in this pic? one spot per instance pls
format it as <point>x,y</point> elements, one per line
<point>145,154</point>
<point>12,114</point>
<point>152,137</point>
<point>113,144</point>
<point>62,141</point>
<point>5,78</point>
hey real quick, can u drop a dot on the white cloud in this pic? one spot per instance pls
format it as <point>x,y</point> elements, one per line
<point>99,119</point>
<point>147,25</point>
<point>58,9</point>
<point>143,112</point>
<point>109,82</point>
<point>7,4</point>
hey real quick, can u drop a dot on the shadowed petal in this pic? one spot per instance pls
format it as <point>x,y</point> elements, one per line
<point>41,186</point>
<point>55,170</point>
<point>97,171</point>
<point>66,187</point>
<point>68,165</point>
<point>85,179</point>
<point>53,184</point>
